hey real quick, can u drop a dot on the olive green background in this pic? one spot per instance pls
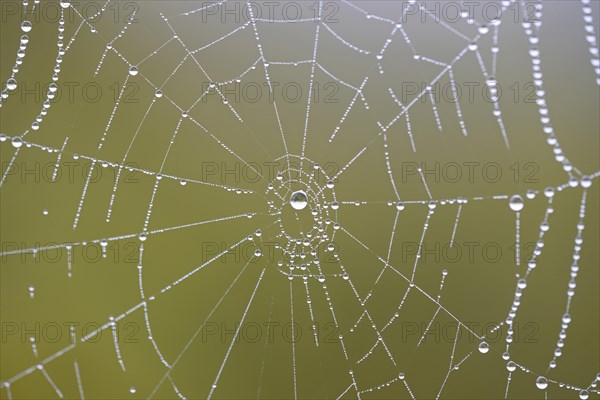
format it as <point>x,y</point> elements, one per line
<point>478,290</point>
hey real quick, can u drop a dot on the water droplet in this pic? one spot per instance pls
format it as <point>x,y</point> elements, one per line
<point>484,347</point>
<point>11,84</point>
<point>257,253</point>
<point>45,212</point>
<point>335,205</point>
<point>133,71</point>
<point>65,4</point>
<point>26,26</point>
<point>132,390</point>
<point>511,366</point>
<point>401,375</point>
<point>522,283</point>
<point>345,276</point>
<point>566,318</point>
<point>321,278</point>
<point>299,200</point>
<point>143,236</point>
<point>586,181</point>
<point>159,93</point>
<point>17,142</point>
<point>516,203</point>
<point>549,192</point>
<point>584,394</point>
<point>573,182</point>
<point>400,206</point>
<point>541,382</point>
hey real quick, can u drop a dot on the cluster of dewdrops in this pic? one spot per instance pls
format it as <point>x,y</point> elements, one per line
<point>296,247</point>
<point>532,30</point>
<point>590,36</point>
<point>11,84</point>
<point>516,204</point>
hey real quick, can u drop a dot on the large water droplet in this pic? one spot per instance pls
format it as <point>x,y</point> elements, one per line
<point>17,142</point>
<point>484,347</point>
<point>541,382</point>
<point>516,203</point>
<point>26,26</point>
<point>299,200</point>
<point>133,71</point>
<point>586,181</point>
<point>11,84</point>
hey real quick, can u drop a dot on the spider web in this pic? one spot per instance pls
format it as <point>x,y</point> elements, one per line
<point>323,264</point>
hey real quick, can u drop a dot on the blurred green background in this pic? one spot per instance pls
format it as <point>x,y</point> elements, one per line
<point>216,148</point>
